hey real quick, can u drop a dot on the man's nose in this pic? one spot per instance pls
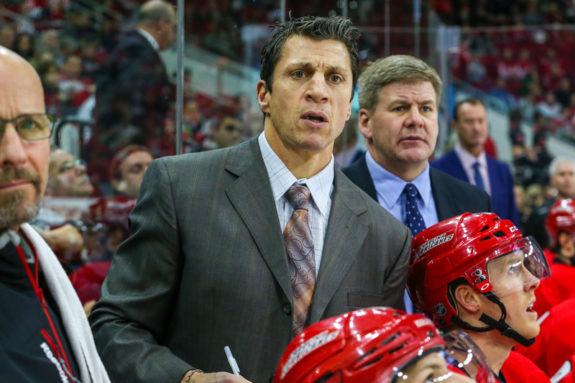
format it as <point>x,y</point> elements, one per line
<point>12,150</point>
<point>414,118</point>
<point>317,88</point>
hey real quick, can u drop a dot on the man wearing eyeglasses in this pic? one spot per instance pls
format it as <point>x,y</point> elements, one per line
<point>45,336</point>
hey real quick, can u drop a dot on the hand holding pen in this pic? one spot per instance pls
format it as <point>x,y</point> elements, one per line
<point>219,377</point>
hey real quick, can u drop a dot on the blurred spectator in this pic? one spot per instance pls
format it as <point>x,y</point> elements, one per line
<point>50,43</point>
<point>532,15</point>
<point>562,179</point>
<point>50,77</point>
<point>193,126</point>
<point>135,91</point>
<point>57,222</point>
<point>24,45</point>
<point>551,79</point>
<point>67,176</point>
<point>93,58</point>
<point>128,168</point>
<point>74,88</point>
<point>7,35</point>
<point>511,70</point>
<point>111,215</point>
<point>549,107</point>
<point>563,94</point>
<point>476,71</point>
<point>224,134</point>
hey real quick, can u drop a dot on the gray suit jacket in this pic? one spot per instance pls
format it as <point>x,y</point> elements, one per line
<point>205,267</point>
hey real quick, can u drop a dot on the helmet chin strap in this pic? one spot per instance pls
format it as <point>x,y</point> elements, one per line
<point>492,324</point>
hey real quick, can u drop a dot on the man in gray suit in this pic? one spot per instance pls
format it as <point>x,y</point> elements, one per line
<point>206,265</point>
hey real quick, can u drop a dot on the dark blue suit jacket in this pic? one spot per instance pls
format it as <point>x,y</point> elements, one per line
<point>452,197</point>
<point>500,180</point>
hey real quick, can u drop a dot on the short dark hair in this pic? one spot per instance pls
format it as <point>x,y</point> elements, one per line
<point>317,28</point>
<point>470,100</point>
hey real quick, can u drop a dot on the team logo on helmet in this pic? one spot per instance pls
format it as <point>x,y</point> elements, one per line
<point>433,242</point>
<point>440,309</point>
<point>307,347</point>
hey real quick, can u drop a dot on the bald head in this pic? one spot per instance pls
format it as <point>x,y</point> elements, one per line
<point>158,18</point>
<point>23,163</point>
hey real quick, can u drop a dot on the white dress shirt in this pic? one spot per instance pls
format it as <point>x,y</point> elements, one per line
<point>467,160</point>
<point>320,186</point>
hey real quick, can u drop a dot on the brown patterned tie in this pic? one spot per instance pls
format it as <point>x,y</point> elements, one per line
<point>301,260</point>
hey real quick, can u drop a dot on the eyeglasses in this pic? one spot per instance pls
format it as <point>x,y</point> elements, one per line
<point>71,165</point>
<point>30,127</point>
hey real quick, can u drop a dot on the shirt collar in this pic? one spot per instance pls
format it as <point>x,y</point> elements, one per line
<point>150,39</point>
<point>393,185</point>
<point>468,159</point>
<point>281,178</point>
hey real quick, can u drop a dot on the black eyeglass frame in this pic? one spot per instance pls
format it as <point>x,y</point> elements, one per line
<point>5,121</point>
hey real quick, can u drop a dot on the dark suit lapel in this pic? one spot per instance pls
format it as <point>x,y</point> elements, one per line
<point>345,235</point>
<point>493,174</point>
<point>458,166</point>
<point>447,205</point>
<point>252,197</point>
<point>359,174</point>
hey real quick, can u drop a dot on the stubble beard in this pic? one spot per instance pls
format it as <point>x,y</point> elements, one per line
<point>14,210</point>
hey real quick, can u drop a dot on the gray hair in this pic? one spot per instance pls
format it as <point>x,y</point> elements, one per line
<point>559,160</point>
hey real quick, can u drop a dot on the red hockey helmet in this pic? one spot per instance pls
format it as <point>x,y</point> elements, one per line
<point>561,217</point>
<point>461,249</point>
<point>366,345</point>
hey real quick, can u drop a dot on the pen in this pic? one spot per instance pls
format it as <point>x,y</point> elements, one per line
<point>232,361</point>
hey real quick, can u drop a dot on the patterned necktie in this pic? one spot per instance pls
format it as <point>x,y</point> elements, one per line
<point>477,175</point>
<point>413,218</point>
<point>301,259</point>
<point>414,221</point>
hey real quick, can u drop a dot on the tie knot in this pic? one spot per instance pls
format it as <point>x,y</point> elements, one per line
<point>411,191</point>
<point>476,165</point>
<point>299,196</point>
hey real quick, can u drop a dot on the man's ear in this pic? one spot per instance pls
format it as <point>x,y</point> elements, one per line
<point>364,123</point>
<point>263,97</point>
<point>467,298</point>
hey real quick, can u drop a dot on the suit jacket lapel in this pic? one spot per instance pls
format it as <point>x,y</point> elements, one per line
<point>344,237</point>
<point>252,197</point>
<point>447,205</point>
<point>458,167</point>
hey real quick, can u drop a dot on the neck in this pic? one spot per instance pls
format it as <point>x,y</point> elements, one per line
<point>404,170</point>
<point>301,163</point>
<point>494,345</point>
<point>475,151</point>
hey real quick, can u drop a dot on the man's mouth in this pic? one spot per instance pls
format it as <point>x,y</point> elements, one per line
<point>315,116</point>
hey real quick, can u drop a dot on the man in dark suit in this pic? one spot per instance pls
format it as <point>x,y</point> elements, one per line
<point>134,95</point>
<point>206,265</point>
<point>401,133</point>
<point>398,99</point>
<point>468,161</point>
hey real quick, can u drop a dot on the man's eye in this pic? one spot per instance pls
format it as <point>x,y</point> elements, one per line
<point>298,74</point>
<point>27,124</point>
<point>427,109</point>
<point>399,109</point>
<point>336,78</point>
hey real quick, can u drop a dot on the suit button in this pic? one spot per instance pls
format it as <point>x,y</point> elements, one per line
<point>287,309</point>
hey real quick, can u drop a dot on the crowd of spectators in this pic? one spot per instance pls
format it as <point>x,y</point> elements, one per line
<point>508,49</point>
